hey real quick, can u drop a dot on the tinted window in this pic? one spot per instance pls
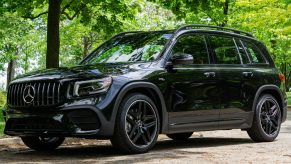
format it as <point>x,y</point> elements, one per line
<point>225,50</point>
<point>242,52</point>
<point>192,45</point>
<point>130,48</point>
<point>254,53</point>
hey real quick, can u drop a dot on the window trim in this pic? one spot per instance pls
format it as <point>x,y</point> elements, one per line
<point>214,54</point>
<point>191,33</point>
<point>251,62</point>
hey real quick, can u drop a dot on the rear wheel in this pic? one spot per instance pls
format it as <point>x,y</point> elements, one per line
<point>137,124</point>
<point>180,136</point>
<point>267,120</point>
<point>42,143</point>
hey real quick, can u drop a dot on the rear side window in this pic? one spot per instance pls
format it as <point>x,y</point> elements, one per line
<point>225,50</point>
<point>254,53</point>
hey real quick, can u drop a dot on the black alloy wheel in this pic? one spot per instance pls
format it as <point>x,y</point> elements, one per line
<point>270,116</point>
<point>42,143</point>
<point>137,125</point>
<point>141,123</point>
<point>267,120</point>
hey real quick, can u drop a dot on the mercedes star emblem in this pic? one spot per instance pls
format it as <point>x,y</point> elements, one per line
<point>28,94</point>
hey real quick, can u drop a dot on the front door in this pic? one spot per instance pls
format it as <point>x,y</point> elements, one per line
<point>193,100</point>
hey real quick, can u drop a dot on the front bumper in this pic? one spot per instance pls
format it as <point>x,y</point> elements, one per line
<point>77,121</point>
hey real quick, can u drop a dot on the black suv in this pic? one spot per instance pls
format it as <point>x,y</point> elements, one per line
<point>141,84</point>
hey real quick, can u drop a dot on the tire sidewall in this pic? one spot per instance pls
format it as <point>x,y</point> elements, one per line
<point>258,119</point>
<point>129,100</point>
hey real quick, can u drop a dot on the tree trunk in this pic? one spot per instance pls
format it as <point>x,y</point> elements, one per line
<point>11,69</point>
<point>85,46</point>
<point>225,13</point>
<point>53,36</point>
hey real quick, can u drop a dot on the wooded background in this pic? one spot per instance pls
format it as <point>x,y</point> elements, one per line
<point>38,34</point>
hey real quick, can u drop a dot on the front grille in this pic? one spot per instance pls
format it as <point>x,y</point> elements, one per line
<point>43,93</point>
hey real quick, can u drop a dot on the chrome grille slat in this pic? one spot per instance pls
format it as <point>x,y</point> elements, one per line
<point>43,89</point>
<point>14,93</point>
<point>37,92</point>
<point>34,102</point>
<point>53,93</point>
<point>59,86</point>
<point>21,93</point>
<point>45,94</point>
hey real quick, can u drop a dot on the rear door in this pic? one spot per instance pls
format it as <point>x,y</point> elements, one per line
<point>259,69</point>
<point>229,61</point>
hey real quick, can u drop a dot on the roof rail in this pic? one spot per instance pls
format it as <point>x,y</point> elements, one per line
<point>129,32</point>
<point>197,26</point>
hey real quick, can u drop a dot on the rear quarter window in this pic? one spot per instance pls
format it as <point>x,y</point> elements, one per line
<point>254,53</point>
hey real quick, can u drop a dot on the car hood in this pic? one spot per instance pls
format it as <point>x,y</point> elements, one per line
<point>82,72</point>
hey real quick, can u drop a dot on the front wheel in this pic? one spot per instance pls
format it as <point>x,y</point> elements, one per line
<point>42,143</point>
<point>137,124</point>
<point>267,120</point>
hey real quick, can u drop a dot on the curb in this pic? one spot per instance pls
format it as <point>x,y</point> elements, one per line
<point>12,140</point>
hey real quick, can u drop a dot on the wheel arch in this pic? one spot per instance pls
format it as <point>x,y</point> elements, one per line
<point>152,91</point>
<point>274,91</point>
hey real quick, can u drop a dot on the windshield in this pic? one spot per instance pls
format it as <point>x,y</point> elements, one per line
<point>130,48</point>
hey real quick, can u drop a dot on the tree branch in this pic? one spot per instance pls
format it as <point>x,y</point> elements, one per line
<point>76,13</point>
<point>67,6</point>
<point>71,17</point>
<point>36,16</point>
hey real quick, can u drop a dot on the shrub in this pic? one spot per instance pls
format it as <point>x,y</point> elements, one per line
<point>2,103</point>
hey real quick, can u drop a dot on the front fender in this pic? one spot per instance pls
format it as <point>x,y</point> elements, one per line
<point>139,84</point>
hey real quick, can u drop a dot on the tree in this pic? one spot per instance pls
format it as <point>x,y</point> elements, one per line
<point>12,29</point>
<point>270,22</point>
<point>105,15</point>
<point>199,11</point>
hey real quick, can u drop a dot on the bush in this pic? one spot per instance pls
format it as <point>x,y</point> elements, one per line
<point>289,98</point>
<point>2,103</point>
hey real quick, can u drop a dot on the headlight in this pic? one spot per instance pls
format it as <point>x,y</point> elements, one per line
<point>89,87</point>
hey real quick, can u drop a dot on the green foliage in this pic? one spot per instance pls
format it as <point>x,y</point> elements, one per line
<point>270,22</point>
<point>289,98</point>
<point>85,24</point>
<point>2,103</point>
<point>1,128</point>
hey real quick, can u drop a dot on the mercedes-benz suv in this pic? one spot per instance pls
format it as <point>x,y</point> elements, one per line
<point>138,85</point>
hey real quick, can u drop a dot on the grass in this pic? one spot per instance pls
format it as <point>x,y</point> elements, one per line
<point>1,128</point>
<point>1,122</point>
<point>289,98</point>
<point>2,102</point>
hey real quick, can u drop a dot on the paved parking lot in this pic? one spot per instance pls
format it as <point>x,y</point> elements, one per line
<point>228,146</point>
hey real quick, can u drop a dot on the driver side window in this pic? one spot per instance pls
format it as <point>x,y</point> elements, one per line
<point>190,49</point>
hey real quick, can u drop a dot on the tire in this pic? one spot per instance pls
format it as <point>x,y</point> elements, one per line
<point>42,143</point>
<point>180,136</point>
<point>137,125</point>
<point>267,120</point>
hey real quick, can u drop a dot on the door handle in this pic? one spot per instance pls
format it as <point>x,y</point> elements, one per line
<point>209,74</point>
<point>248,74</point>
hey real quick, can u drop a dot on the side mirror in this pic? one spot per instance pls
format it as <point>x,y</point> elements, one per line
<point>182,58</point>
<point>170,67</point>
